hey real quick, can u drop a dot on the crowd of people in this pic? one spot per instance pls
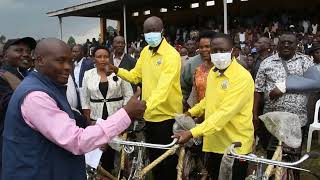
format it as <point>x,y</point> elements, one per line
<point>59,102</point>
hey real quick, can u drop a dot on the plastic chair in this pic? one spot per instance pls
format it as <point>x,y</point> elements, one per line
<point>314,126</point>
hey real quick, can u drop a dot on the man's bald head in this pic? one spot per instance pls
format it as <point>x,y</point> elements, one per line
<point>152,24</point>
<point>54,59</point>
<point>49,46</point>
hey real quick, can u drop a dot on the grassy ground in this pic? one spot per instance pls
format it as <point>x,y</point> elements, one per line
<point>312,164</point>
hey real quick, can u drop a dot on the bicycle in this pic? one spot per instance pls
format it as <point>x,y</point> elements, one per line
<point>275,161</point>
<point>137,169</point>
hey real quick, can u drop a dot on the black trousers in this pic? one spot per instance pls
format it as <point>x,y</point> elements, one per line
<point>160,133</point>
<point>107,159</point>
<point>239,168</point>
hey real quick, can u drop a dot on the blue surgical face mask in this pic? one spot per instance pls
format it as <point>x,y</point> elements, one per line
<point>153,38</point>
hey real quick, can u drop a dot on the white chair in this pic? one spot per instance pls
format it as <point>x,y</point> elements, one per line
<point>314,126</point>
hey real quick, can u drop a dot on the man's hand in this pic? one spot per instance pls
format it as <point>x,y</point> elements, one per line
<point>111,68</point>
<point>275,94</point>
<point>183,136</point>
<point>135,108</point>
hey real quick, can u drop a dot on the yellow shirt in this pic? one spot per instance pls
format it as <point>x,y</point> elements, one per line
<point>228,107</point>
<point>160,76</point>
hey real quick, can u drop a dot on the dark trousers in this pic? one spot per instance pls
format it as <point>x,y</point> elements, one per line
<point>107,159</point>
<point>239,168</point>
<point>160,133</point>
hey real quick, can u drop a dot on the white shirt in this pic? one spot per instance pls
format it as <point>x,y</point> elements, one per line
<point>242,37</point>
<point>76,72</point>
<point>72,93</point>
<point>117,61</point>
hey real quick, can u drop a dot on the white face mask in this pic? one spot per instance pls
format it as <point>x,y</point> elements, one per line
<point>221,60</point>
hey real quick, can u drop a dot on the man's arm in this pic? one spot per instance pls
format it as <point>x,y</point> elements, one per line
<point>42,114</point>
<point>132,76</point>
<point>199,109</point>
<point>258,99</point>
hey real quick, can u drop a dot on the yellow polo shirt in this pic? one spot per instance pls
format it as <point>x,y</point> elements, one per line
<point>160,76</point>
<point>228,107</point>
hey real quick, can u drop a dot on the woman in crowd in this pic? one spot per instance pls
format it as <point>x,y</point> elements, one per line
<point>102,95</point>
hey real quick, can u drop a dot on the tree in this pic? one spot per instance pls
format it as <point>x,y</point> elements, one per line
<point>2,39</point>
<point>71,41</point>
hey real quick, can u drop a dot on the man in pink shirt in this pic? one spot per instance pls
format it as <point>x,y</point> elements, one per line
<point>41,136</point>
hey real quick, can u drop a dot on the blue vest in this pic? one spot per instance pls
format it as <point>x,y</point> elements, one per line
<point>27,154</point>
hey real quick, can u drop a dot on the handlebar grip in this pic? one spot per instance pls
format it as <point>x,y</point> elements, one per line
<point>237,144</point>
<point>313,155</point>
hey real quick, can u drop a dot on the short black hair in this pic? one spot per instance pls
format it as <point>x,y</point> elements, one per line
<point>206,34</point>
<point>99,47</point>
<point>290,34</point>
<point>224,36</point>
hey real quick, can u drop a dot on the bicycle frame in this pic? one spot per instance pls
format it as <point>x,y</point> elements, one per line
<point>261,161</point>
<point>147,145</point>
<point>139,172</point>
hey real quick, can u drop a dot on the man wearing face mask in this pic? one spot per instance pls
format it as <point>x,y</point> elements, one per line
<point>158,68</point>
<point>227,107</point>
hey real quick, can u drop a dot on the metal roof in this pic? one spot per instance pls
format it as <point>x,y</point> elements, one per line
<point>112,9</point>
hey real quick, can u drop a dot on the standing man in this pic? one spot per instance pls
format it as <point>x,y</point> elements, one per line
<point>191,47</point>
<point>14,52</point>
<point>263,46</point>
<point>158,68</point>
<point>41,138</point>
<point>227,107</point>
<point>272,72</point>
<point>119,58</point>
<point>81,65</point>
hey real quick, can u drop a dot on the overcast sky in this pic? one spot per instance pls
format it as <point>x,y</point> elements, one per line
<point>20,18</point>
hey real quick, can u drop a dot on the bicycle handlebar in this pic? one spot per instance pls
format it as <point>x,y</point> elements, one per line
<point>148,145</point>
<point>289,165</point>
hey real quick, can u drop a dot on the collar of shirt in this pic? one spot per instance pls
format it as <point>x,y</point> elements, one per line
<point>227,72</point>
<point>79,63</point>
<point>296,56</point>
<point>114,56</point>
